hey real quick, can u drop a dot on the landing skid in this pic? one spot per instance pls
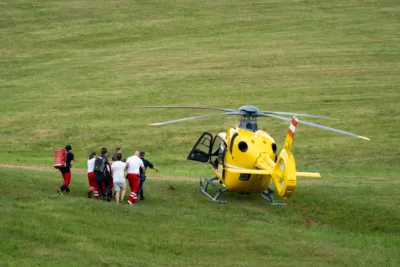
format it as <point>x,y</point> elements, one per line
<point>269,195</point>
<point>220,191</point>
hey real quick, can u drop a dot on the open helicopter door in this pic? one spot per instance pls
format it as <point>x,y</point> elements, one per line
<point>202,150</point>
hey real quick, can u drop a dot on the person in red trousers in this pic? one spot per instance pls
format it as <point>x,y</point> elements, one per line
<point>134,164</point>
<point>66,171</point>
<point>91,177</point>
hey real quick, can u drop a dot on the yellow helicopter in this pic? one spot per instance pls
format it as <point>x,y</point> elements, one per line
<point>244,159</point>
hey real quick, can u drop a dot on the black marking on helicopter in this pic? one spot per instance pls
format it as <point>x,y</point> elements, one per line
<point>231,145</point>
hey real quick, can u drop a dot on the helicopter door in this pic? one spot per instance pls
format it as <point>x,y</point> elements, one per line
<point>218,152</point>
<point>201,151</point>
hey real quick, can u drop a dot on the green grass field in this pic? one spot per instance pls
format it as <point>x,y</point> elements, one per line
<point>75,71</point>
<point>348,223</point>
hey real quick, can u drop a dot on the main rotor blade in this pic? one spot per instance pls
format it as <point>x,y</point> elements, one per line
<point>294,114</point>
<point>195,117</point>
<point>318,126</point>
<point>196,107</point>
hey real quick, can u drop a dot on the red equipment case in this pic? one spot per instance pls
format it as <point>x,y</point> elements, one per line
<point>60,159</point>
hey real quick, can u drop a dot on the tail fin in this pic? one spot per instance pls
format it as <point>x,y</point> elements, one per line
<point>284,172</point>
<point>290,133</point>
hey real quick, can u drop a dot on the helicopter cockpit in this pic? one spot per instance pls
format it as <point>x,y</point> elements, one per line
<point>249,125</point>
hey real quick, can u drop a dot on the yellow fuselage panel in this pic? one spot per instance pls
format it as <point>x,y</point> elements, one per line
<point>243,152</point>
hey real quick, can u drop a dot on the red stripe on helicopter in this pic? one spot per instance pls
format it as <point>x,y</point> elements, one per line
<point>290,133</point>
<point>295,121</point>
<point>292,127</point>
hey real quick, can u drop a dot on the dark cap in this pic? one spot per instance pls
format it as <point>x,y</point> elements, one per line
<point>142,154</point>
<point>68,147</point>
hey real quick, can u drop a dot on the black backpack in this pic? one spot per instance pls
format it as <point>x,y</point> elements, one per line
<point>100,165</point>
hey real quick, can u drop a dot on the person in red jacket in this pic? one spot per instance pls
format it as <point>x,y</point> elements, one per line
<point>66,171</point>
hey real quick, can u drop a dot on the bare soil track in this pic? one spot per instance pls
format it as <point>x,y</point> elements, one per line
<point>45,168</point>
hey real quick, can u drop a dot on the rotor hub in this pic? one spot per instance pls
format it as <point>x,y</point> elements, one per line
<point>249,111</point>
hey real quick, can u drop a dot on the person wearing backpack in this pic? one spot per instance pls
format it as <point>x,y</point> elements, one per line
<point>66,171</point>
<point>101,170</point>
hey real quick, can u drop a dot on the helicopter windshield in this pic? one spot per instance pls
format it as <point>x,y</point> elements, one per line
<point>250,125</point>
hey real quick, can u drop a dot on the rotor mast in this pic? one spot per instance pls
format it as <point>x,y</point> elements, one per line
<point>248,120</point>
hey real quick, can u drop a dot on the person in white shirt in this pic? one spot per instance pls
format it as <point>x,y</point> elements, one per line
<point>134,164</point>
<point>92,177</point>
<point>117,169</point>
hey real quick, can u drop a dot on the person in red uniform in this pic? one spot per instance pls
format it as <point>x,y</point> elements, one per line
<point>134,164</point>
<point>92,177</point>
<point>66,171</point>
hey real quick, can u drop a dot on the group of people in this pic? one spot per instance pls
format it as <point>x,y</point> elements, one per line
<point>104,175</point>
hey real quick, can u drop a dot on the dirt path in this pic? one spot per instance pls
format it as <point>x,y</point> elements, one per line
<point>45,168</point>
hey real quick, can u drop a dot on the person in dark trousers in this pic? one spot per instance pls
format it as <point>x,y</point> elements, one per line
<point>66,171</point>
<point>147,164</point>
<point>101,171</point>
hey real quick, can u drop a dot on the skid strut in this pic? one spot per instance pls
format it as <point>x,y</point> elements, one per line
<point>269,195</point>
<point>220,191</point>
